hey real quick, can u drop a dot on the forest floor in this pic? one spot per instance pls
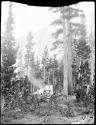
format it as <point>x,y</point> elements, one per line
<point>41,115</point>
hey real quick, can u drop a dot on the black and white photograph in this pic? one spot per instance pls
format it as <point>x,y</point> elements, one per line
<point>47,63</point>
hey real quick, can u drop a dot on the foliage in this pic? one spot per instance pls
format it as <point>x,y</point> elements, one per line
<point>83,50</point>
<point>90,98</point>
<point>20,91</point>
<point>37,69</point>
<point>29,55</point>
<point>8,57</point>
<point>45,56</point>
<point>53,69</point>
<point>79,45</point>
<point>45,61</point>
<point>63,38</point>
<point>19,63</point>
<point>84,72</point>
<point>81,67</point>
<point>82,80</point>
<point>67,13</point>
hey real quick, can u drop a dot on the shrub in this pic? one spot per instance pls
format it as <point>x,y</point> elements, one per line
<point>67,110</point>
<point>90,98</point>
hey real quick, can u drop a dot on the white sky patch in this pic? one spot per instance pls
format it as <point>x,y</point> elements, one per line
<point>27,18</point>
<point>89,10</point>
<point>34,19</point>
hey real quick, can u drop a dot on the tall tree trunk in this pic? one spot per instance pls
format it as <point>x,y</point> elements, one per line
<point>65,61</point>
<point>92,45</point>
<point>92,65</point>
<point>70,84</point>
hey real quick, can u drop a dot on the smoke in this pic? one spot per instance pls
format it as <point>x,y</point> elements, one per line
<point>35,82</point>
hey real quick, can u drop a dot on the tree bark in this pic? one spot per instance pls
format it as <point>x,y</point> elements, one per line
<point>65,61</point>
<point>70,84</point>
<point>92,66</point>
<point>92,45</point>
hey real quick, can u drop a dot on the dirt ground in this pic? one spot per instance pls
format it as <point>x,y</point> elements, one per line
<point>81,116</point>
<point>31,119</point>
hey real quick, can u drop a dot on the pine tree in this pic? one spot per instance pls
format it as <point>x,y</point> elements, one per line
<point>52,69</point>
<point>55,68</point>
<point>19,63</point>
<point>37,69</point>
<point>45,62</point>
<point>60,75</point>
<point>67,13</point>
<point>8,52</point>
<point>82,74</point>
<point>79,39</point>
<point>29,59</point>
<point>83,50</point>
<point>78,30</point>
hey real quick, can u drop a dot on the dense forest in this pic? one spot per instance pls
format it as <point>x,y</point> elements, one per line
<point>72,77</point>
